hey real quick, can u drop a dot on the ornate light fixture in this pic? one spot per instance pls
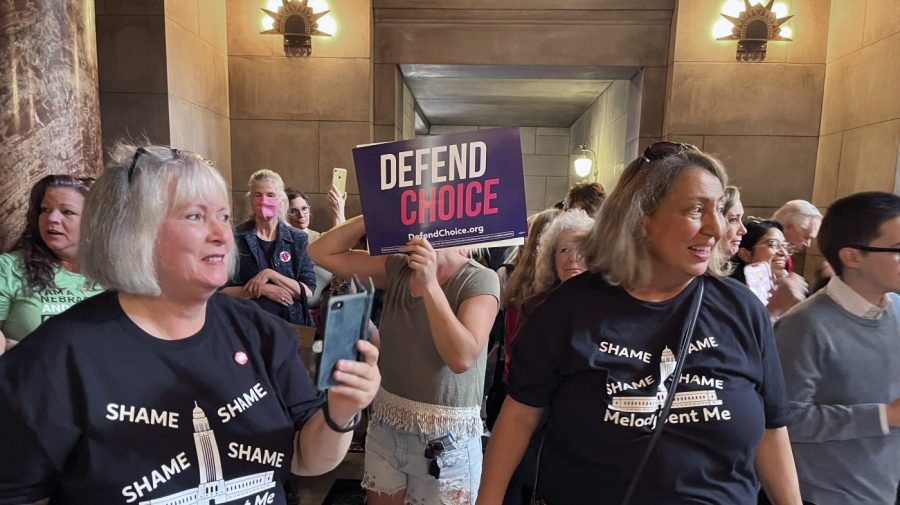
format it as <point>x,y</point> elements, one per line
<point>583,163</point>
<point>753,28</point>
<point>298,23</point>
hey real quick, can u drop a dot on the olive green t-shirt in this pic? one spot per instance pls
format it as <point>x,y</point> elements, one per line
<point>410,364</point>
<point>20,313</point>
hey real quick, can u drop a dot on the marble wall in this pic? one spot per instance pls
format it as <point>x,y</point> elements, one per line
<point>859,135</point>
<point>49,121</point>
<point>299,116</point>
<point>762,119</point>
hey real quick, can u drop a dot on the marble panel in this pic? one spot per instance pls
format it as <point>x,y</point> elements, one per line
<point>132,53</point>
<point>181,130</point>
<point>653,97</point>
<point>545,165</point>
<point>49,121</point>
<point>810,43</point>
<point>197,71</point>
<point>769,170</point>
<point>516,44</point>
<point>535,192</point>
<point>244,24</point>
<point>336,142</point>
<point>556,189</point>
<point>828,161</point>
<point>290,148</point>
<point>527,139</point>
<point>352,39</point>
<point>304,89</point>
<point>184,12</point>
<point>530,4</point>
<point>552,144</point>
<point>445,129</point>
<point>213,24</point>
<point>134,116</point>
<point>882,20</point>
<point>132,7</point>
<point>846,28</point>
<point>861,88</point>
<point>869,158</point>
<point>552,131</point>
<point>384,134</point>
<point>743,99</point>
<point>212,139</point>
<point>385,93</point>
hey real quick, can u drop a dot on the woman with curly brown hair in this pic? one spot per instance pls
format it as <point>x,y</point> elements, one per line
<point>40,277</point>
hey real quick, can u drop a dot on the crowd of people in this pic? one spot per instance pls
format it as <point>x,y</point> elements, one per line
<point>624,354</point>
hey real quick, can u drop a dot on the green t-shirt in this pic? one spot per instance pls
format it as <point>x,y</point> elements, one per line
<point>20,314</point>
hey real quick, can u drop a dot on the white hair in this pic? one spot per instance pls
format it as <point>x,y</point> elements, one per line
<point>796,212</point>
<point>272,177</point>
<point>140,186</point>
<point>574,221</point>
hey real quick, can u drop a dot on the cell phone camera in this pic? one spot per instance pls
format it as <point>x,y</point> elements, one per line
<point>337,305</point>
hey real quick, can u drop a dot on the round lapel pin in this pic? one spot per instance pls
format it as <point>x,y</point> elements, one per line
<point>240,358</point>
<point>284,256</point>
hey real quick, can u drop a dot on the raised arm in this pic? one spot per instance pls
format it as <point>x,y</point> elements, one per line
<point>332,251</point>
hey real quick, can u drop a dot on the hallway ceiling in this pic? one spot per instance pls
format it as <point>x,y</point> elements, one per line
<point>493,95</point>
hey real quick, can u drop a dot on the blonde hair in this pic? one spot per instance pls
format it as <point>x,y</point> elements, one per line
<point>617,247</point>
<point>521,283</point>
<point>125,208</point>
<point>576,222</point>
<point>269,176</point>
<point>732,197</point>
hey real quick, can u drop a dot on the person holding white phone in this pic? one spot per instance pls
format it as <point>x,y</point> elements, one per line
<point>764,243</point>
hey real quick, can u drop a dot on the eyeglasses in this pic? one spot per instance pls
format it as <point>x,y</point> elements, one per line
<point>776,244</point>
<point>894,250</point>
<point>137,154</point>
<point>660,150</point>
<point>296,211</point>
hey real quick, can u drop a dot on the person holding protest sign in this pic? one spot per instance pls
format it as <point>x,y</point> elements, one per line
<point>424,438</point>
<point>662,373</point>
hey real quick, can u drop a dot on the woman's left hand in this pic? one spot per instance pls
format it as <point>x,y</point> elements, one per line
<point>253,288</point>
<point>422,259</point>
<point>359,381</point>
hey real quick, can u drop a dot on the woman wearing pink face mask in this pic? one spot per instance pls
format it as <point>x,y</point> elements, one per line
<point>273,267</point>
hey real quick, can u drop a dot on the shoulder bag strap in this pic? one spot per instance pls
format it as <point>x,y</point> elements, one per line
<point>664,413</point>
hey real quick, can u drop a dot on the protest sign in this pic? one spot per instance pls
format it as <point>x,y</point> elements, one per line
<point>455,190</point>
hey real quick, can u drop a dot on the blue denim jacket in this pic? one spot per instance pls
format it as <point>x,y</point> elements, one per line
<point>290,260</point>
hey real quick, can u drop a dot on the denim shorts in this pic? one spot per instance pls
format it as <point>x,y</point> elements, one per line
<point>395,460</point>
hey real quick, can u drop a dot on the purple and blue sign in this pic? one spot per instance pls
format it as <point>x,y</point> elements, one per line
<point>455,190</point>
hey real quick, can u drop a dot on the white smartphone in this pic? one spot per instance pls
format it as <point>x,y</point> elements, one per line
<point>339,179</point>
<point>759,280</point>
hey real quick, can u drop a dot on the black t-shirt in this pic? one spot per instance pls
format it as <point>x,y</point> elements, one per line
<point>266,258</point>
<point>93,410</point>
<point>593,356</point>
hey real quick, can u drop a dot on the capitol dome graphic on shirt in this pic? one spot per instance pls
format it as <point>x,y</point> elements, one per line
<point>650,404</point>
<point>212,487</point>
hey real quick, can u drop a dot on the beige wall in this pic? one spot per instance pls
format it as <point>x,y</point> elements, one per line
<point>761,119</point>
<point>299,116</point>
<point>131,50</point>
<point>860,128</point>
<point>197,79</point>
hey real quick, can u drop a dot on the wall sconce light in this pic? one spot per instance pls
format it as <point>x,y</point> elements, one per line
<point>753,27</point>
<point>298,23</point>
<point>583,163</point>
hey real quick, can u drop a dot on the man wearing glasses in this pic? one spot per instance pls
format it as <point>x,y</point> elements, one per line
<point>840,352</point>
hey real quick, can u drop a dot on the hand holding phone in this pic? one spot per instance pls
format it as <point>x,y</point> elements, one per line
<point>346,323</point>
<point>759,280</point>
<point>339,180</point>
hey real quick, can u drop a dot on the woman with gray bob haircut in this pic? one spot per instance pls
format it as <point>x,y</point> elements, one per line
<point>162,382</point>
<point>663,375</point>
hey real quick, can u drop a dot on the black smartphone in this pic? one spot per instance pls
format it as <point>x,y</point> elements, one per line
<point>346,322</point>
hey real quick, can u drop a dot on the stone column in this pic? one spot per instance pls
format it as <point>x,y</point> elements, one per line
<point>49,108</point>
